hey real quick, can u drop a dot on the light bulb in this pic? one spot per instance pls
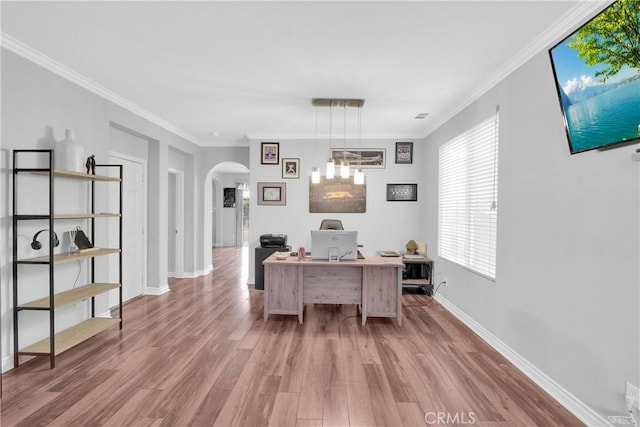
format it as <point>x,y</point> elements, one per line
<point>315,176</point>
<point>344,170</point>
<point>358,177</point>
<point>331,169</point>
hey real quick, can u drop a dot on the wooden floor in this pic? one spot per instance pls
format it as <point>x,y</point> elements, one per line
<point>202,355</point>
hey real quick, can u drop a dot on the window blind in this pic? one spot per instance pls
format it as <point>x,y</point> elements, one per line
<point>467,198</point>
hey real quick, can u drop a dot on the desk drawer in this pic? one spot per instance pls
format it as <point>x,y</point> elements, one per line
<point>335,285</point>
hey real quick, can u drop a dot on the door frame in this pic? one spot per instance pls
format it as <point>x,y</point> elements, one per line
<point>179,205</point>
<point>145,203</point>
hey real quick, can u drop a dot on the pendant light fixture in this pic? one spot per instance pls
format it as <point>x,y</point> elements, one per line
<point>331,166</point>
<point>344,165</point>
<point>315,171</point>
<point>358,175</point>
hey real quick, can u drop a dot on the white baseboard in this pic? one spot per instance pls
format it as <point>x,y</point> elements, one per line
<point>157,291</point>
<point>194,274</point>
<point>7,363</point>
<point>578,408</point>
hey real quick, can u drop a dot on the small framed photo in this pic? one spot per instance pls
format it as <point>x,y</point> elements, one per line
<point>270,153</point>
<point>272,193</point>
<point>402,192</point>
<point>291,168</point>
<point>404,152</point>
<point>372,158</point>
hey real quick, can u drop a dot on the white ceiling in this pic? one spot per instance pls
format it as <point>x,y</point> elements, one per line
<point>220,72</point>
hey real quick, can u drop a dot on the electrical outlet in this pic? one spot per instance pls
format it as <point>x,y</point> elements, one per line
<point>444,278</point>
<point>621,420</point>
<point>632,396</point>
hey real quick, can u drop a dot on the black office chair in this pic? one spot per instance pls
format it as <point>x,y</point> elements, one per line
<point>331,224</point>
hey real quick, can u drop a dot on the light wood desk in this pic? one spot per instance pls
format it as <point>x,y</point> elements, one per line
<point>373,283</point>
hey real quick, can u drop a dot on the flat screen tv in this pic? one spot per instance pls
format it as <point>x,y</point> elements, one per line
<point>597,75</point>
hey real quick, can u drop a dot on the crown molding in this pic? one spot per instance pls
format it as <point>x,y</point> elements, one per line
<point>27,52</point>
<point>556,32</point>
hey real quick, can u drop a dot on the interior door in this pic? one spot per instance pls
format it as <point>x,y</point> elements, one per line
<point>172,226</point>
<point>133,233</point>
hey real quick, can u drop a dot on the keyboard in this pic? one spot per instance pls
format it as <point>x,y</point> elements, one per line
<point>409,256</point>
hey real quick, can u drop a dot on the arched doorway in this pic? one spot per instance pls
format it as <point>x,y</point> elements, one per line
<point>225,226</point>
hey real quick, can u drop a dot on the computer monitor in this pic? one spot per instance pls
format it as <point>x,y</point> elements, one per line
<point>331,224</point>
<point>334,245</point>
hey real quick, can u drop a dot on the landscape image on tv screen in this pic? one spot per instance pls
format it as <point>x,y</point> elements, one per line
<point>597,73</point>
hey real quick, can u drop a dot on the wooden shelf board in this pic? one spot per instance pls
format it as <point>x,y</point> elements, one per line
<point>86,215</point>
<point>416,282</point>
<point>79,175</point>
<point>64,258</point>
<point>68,216</point>
<point>74,295</point>
<point>75,335</point>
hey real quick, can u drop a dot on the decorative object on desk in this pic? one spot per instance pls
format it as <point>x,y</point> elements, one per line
<point>91,164</point>
<point>404,152</point>
<point>69,153</point>
<point>290,168</point>
<point>402,192</point>
<point>229,198</point>
<point>372,158</point>
<point>337,195</point>
<point>73,248</point>
<point>272,193</point>
<point>81,240</point>
<point>411,247</point>
<point>36,245</point>
<point>270,153</point>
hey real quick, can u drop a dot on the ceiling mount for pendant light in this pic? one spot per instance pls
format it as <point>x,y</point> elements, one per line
<point>337,102</point>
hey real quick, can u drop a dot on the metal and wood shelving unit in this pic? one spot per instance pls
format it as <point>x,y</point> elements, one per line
<point>56,343</point>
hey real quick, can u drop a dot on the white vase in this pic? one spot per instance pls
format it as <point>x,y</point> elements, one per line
<point>69,154</point>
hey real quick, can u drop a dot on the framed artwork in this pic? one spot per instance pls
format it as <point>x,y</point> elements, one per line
<point>337,195</point>
<point>229,197</point>
<point>402,192</point>
<point>404,152</point>
<point>272,193</point>
<point>291,168</point>
<point>270,153</point>
<point>372,158</point>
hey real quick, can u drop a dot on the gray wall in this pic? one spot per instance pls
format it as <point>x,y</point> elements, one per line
<point>37,106</point>
<point>385,225</point>
<point>566,296</point>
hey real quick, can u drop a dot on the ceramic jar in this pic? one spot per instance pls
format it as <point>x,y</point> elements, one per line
<point>69,153</point>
